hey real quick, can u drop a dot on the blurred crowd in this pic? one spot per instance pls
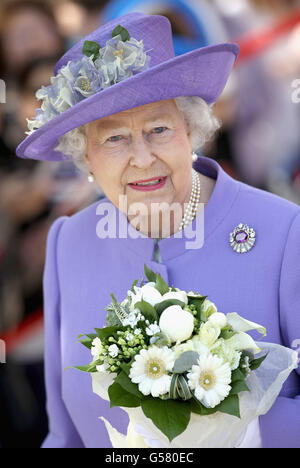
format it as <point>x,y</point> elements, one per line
<point>259,144</point>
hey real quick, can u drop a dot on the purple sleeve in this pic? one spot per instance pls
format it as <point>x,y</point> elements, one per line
<point>280,427</point>
<point>62,433</point>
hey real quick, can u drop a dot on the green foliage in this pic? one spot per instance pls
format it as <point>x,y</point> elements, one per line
<point>90,48</point>
<point>179,388</point>
<point>170,416</point>
<point>147,310</point>
<point>125,36</point>
<point>105,333</point>
<point>150,275</point>
<point>87,342</point>
<point>229,406</point>
<point>130,387</point>
<point>255,363</point>
<point>161,306</point>
<point>120,397</point>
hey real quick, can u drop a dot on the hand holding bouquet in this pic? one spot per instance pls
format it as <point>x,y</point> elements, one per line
<point>183,371</point>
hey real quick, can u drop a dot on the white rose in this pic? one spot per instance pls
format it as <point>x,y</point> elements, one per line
<point>219,319</point>
<point>150,294</point>
<point>180,295</point>
<point>183,347</point>
<point>176,323</point>
<point>209,307</point>
<point>209,333</point>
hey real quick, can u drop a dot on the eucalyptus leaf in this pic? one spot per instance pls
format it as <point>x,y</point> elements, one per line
<point>120,397</point>
<point>185,362</point>
<point>171,417</point>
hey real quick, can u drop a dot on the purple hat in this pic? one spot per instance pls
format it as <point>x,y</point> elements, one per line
<point>125,63</point>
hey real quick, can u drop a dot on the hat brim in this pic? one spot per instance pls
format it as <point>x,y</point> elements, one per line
<point>201,72</point>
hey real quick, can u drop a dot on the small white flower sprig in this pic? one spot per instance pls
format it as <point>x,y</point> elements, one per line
<point>100,67</point>
<point>172,352</point>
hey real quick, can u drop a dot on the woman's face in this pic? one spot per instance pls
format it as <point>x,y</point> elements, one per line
<point>143,145</point>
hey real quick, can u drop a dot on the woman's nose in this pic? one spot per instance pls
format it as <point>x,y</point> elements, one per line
<point>142,155</point>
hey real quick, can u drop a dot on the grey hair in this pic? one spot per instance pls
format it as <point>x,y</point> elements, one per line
<point>198,117</point>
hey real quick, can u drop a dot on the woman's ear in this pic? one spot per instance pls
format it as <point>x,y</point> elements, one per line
<point>87,161</point>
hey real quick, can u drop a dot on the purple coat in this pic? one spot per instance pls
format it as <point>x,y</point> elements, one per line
<point>81,271</point>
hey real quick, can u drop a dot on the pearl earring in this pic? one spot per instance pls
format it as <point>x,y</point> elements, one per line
<point>194,157</point>
<point>91,178</point>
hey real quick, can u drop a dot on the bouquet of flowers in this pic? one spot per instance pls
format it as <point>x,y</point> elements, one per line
<point>183,371</point>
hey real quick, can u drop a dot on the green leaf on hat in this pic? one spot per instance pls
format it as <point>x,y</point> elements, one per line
<point>125,36</point>
<point>91,48</point>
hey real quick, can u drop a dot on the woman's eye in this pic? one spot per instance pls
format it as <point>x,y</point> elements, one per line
<point>158,130</point>
<point>114,138</point>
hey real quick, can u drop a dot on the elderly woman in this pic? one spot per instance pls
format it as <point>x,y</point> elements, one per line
<point>131,115</point>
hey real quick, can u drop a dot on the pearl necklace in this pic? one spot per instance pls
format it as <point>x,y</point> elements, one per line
<point>192,207</point>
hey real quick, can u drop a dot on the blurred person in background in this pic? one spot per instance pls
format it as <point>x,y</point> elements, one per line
<point>28,30</point>
<point>266,138</point>
<point>31,197</point>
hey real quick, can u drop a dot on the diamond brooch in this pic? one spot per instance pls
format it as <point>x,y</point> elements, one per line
<point>242,239</point>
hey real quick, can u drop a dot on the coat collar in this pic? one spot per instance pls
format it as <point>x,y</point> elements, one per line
<point>215,210</point>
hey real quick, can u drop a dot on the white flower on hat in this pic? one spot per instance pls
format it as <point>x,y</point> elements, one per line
<point>150,370</point>
<point>210,379</point>
<point>176,323</point>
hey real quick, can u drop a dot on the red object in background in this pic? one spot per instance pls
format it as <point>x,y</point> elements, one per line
<point>256,42</point>
<point>25,330</point>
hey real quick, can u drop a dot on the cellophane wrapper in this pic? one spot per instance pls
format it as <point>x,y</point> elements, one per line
<point>218,430</point>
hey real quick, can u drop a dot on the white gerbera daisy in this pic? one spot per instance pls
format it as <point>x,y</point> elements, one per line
<point>150,370</point>
<point>210,380</point>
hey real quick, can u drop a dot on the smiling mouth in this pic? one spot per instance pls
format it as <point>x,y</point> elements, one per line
<point>149,183</point>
